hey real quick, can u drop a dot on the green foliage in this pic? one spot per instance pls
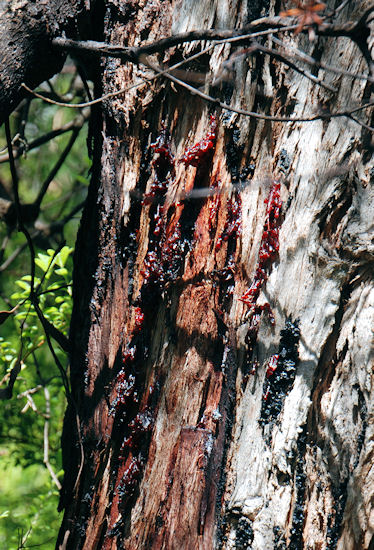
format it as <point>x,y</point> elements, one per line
<point>28,496</point>
<point>53,290</point>
<point>8,355</point>
<point>28,500</point>
<point>27,508</point>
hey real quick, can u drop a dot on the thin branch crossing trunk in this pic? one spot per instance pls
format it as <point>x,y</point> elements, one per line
<point>222,332</point>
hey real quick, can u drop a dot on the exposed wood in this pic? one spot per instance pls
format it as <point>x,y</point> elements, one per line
<point>170,377</point>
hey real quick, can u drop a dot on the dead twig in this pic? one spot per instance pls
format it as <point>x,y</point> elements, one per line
<point>46,438</point>
<point>92,48</point>
<point>218,103</point>
<point>319,65</point>
<point>26,147</point>
<point>57,166</point>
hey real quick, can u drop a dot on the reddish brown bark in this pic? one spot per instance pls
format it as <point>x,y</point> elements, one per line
<point>183,396</point>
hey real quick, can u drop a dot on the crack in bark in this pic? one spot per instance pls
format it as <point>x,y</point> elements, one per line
<point>296,540</point>
<point>325,371</point>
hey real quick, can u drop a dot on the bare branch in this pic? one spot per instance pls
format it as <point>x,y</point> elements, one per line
<point>87,103</point>
<point>46,439</point>
<point>29,392</point>
<point>54,289</point>
<point>366,126</point>
<point>13,256</point>
<point>30,403</point>
<point>319,65</point>
<point>76,484</point>
<point>217,102</point>
<point>59,224</point>
<point>272,24</point>
<point>6,393</point>
<point>18,205</point>
<point>206,97</point>
<point>266,25</point>
<point>23,147</point>
<point>122,90</point>
<point>355,30</point>
<point>50,330</point>
<point>77,45</point>
<point>5,314</point>
<point>57,166</point>
<point>42,229</point>
<point>341,7</point>
<point>3,246</point>
<point>276,55</point>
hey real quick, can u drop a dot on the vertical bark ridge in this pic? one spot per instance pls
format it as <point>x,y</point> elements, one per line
<point>175,453</point>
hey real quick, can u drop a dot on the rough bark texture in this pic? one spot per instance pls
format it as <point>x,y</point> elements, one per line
<point>203,423</point>
<point>26,55</point>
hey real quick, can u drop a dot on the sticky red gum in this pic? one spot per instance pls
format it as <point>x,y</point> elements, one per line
<point>272,365</point>
<point>233,222</point>
<point>200,152</point>
<point>269,247</point>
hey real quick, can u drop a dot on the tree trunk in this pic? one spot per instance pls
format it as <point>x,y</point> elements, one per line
<point>26,54</point>
<point>222,375</point>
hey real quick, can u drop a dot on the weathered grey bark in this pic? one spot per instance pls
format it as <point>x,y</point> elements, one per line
<point>180,447</point>
<point>27,30</point>
<point>195,459</point>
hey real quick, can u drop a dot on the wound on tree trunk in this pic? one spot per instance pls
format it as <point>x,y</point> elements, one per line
<point>221,359</point>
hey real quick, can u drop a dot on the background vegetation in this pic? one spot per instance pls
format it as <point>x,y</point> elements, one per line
<point>31,421</point>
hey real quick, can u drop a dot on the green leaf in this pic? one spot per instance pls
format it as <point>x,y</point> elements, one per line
<point>23,284</point>
<point>52,287</point>
<point>63,255</point>
<point>43,261</point>
<point>62,271</point>
<point>28,278</point>
<point>51,311</point>
<point>82,179</point>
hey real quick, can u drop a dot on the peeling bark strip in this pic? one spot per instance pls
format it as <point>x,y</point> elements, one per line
<point>181,450</point>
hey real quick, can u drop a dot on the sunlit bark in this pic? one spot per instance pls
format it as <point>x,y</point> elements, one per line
<point>203,424</point>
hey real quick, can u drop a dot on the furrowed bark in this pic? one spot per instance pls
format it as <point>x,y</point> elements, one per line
<point>190,439</point>
<point>27,30</point>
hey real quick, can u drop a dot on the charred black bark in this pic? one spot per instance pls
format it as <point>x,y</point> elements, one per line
<point>26,32</point>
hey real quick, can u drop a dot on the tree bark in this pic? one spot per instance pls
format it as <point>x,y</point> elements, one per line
<point>197,421</point>
<point>26,54</point>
